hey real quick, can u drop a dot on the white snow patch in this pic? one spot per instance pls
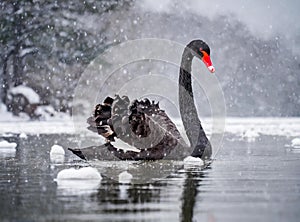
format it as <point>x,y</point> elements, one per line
<point>85,173</point>
<point>27,92</point>
<point>7,145</point>
<point>23,136</point>
<point>7,149</point>
<point>27,51</point>
<point>57,154</point>
<point>125,177</point>
<point>7,135</point>
<point>9,117</point>
<point>289,127</point>
<point>38,127</point>
<point>296,142</point>
<point>46,112</point>
<point>57,149</point>
<point>271,126</point>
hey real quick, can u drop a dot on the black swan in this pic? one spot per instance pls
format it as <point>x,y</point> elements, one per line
<point>143,125</point>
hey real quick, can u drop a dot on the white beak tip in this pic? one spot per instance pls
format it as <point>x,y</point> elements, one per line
<point>211,69</point>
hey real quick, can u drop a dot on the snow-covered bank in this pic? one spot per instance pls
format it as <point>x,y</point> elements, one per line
<point>264,125</point>
<point>37,127</point>
<point>239,126</point>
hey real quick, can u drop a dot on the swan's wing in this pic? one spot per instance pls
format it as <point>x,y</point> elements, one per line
<point>142,125</point>
<point>148,128</point>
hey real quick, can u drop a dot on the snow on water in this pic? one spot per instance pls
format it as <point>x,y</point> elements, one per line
<point>57,154</point>
<point>27,92</point>
<point>125,177</point>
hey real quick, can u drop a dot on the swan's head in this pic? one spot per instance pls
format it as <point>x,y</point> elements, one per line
<point>201,50</point>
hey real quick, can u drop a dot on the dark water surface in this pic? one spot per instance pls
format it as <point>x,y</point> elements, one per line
<point>248,181</point>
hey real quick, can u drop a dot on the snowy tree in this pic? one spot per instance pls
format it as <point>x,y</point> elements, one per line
<point>40,40</point>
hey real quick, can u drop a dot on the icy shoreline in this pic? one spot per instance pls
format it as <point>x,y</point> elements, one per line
<point>264,126</point>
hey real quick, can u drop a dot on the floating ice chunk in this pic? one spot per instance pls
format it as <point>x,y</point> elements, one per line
<point>57,154</point>
<point>296,142</point>
<point>23,136</point>
<point>57,149</point>
<point>190,160</point>
<point>85,173</point>
<point>78,182</point>
<point>7,149</point>
<point>125,177</point>
<point>7,145</point>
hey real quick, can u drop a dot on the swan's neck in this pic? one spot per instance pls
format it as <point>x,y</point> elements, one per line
<point>185,78</point>
<point>188,111</point>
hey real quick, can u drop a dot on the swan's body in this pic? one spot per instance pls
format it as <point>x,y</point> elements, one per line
<point>144,125</point>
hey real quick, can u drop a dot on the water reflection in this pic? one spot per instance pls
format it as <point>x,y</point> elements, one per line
<point>77,187</point>
<point>192,181</point>
<point>240,184</point>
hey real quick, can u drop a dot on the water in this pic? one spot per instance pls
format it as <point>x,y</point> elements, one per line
<point>257,180</point>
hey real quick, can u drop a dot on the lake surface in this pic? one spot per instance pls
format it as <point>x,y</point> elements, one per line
<point>256,179</point>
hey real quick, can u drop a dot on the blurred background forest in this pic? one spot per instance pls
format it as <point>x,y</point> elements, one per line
<point>46,45</point>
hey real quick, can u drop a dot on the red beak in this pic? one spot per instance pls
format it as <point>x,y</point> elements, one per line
<point>207,62</point>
